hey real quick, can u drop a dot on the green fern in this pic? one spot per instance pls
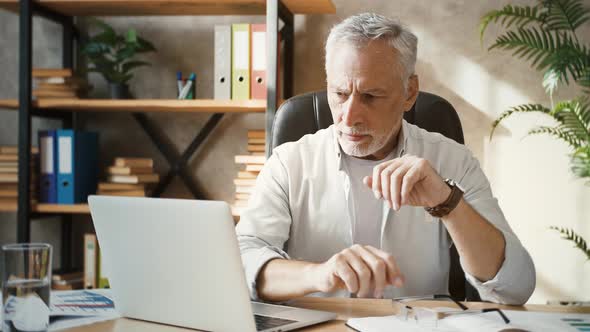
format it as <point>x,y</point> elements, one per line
<point>524,108</point>
<point>574,116</point>
<point>509,16</point>
<point>580,163</point>
<point>566,15</point>
<point>558,132</point>
<point>570,235</point>
<point>545,35</point>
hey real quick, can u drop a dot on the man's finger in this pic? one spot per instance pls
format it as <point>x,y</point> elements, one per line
<point>368,181</point>
<point>393,271</point>
<point>378,268</point>
<point>362,271</point>
<point>395,184</point>
<point>376,180</point>
<point>409,181</point>
<point>385,180</point>
<point>347,275</point>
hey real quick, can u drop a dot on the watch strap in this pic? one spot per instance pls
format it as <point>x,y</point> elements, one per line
<point>449,204</point>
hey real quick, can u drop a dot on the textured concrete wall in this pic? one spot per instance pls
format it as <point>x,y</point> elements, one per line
<point>529,176</point>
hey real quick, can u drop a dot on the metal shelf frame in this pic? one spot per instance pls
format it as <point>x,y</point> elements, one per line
<point>275,11</point>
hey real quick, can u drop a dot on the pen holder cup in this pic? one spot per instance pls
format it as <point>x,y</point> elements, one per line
<point>192,92</point>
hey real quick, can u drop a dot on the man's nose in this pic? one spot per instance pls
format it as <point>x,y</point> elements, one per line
<point>352,112</point>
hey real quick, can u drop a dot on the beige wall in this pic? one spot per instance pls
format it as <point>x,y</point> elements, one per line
<point>529,176</point>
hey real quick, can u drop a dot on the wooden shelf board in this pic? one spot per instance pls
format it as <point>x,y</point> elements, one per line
<point>62,208</point>
<point>144,105</point>
<point>8,206</point>
<point>48,208</point>
<point>173,7</point>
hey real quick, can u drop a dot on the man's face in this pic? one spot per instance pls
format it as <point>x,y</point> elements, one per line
<point>367,97</point>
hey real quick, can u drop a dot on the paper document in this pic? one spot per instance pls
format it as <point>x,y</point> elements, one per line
<point>491,321</point>
<point>80,307</point>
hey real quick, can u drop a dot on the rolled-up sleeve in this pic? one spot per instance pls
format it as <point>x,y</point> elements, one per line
<point>265,224</point>
<point>515,281</point>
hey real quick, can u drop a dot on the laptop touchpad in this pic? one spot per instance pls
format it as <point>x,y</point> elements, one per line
<point>267,309</point>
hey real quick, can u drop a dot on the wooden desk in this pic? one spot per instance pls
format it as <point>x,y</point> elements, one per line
<point>345,308</point>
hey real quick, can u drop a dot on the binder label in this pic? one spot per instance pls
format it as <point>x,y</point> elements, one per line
<point>240,48</point>
<point>65,155</point>
<point>47,155</point>
<point>258,51</point>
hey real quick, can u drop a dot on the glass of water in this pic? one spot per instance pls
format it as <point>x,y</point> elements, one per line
<point>26,281</point>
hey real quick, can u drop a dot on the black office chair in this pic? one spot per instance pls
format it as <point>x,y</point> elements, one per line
<point>307,113</point>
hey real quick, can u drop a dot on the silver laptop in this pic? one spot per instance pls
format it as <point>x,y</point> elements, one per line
<point>177,262</point>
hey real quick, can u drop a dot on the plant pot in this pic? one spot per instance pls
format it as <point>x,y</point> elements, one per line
<point>119,91</point>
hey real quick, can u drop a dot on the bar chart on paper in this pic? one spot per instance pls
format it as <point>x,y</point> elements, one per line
<point>80,303</point>
<point>579,324</point>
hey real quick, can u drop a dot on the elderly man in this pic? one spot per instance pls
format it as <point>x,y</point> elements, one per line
<point>371,205</point>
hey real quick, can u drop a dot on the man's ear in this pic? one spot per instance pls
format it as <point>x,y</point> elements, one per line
<point>412,92</point>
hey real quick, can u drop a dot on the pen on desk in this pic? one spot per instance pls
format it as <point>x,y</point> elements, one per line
<point>187,86</point>
<point>179,81</point>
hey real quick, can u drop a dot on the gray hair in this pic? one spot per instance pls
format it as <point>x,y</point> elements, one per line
<point>362,28</point>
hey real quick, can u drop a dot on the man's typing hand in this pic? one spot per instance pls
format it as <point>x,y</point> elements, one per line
<point>408,180</point>
<point>362,270</point>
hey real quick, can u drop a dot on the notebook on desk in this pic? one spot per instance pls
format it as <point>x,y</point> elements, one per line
<point>177,262</point>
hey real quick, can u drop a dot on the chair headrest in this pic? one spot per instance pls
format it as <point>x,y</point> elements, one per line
<point>310,112</point>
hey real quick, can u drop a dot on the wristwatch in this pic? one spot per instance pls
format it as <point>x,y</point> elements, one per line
<point>449,204</point>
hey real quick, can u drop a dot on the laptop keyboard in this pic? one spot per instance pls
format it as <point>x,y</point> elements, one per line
<point>265,322</point>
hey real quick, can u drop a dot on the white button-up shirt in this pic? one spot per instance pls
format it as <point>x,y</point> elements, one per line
<point>300,210</point>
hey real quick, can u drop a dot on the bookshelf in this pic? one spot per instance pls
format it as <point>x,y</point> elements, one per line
<point>63,12</point>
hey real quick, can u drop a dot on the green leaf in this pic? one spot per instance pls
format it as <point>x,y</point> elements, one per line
<point>127,66</point>
<point>524,108</point>
<point>127,77</point>
<point>92,49</point>
<point>528,43</point>
<point>126,52</point>
<point>570,235</point>
<point>98,23</point>
<point>145,46</point>
<point>566,15</point>
<point>580,162</point>
<point>558,132</point>
<point>550,81</point>
<point>518,16</point>
<point>574,115</point>
<point>131,36</point>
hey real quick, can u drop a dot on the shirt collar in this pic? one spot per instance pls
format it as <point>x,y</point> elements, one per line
<point>400,148</point>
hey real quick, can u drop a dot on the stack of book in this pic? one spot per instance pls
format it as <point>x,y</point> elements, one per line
<point>57,83</point>
<point>254,161</point>
<point>129,177</point>
<point>67,281</point>
<point>9,175</point>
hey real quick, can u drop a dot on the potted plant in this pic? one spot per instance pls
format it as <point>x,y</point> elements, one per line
<point>545,34</point>
<point>112,55</point>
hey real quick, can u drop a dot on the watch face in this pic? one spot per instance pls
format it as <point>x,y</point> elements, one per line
<point>450,182</point>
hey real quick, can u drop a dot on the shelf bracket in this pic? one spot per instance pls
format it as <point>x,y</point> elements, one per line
<point>178,162</point>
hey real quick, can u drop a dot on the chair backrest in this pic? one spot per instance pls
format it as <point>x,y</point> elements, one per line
<point>310,112</point>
